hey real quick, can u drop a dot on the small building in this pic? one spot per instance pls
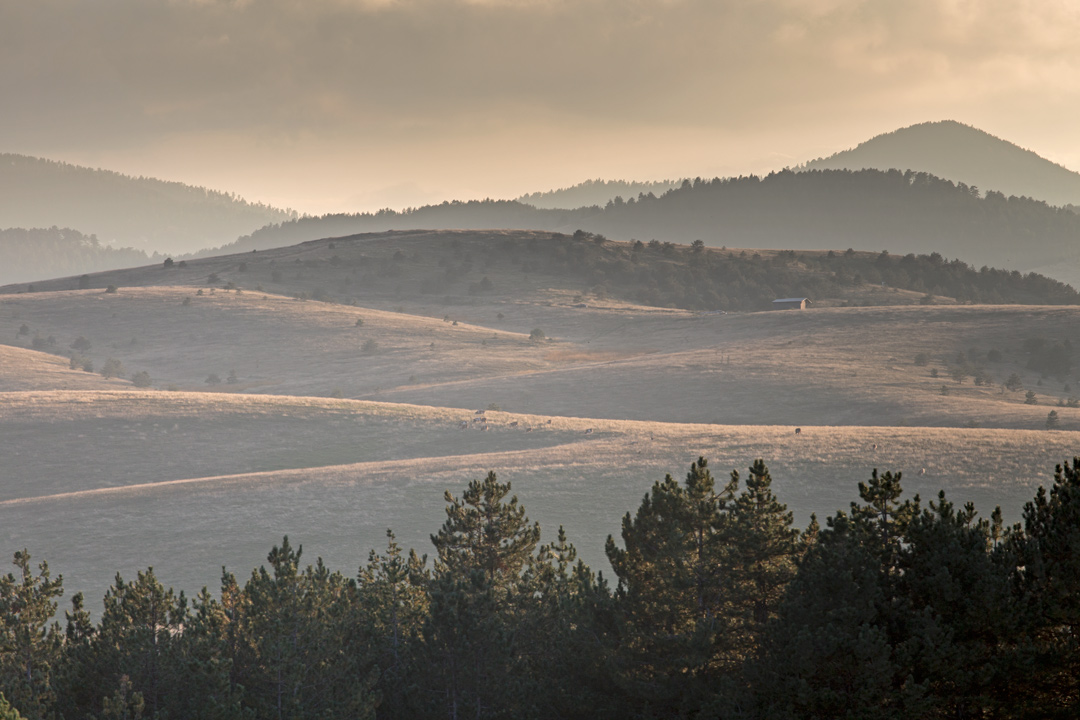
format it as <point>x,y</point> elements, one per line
<point>790,303</point>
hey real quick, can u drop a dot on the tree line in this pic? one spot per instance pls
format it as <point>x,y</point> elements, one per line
<point>719,608</point>
<point>906,212</point>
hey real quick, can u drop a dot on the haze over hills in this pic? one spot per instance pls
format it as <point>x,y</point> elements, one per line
<point>595,192</point>
<point>961,153</point>
<point>144,213</point>
<point>40,254</point>
<point>903,212</point>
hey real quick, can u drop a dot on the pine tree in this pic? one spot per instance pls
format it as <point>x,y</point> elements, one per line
<point>30,642</point>
<point>672,594</point>
<point>471,633</point>
<point>393,594</point>
<point>1047,575</point>
<point>301,651</point>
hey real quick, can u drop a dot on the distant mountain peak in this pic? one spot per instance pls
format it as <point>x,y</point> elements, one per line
<point>961,153</point>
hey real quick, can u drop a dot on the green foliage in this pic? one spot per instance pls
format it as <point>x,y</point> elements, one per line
<point>1030,398</point>
<point>1052,420</point>
<point>537,335</point>
<point>1014,383</point>
<point>30,642</point>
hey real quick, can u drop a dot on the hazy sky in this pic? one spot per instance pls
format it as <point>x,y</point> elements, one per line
<point>327,105</point>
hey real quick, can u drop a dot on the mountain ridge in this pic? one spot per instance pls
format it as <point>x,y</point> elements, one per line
<point>961,153</point>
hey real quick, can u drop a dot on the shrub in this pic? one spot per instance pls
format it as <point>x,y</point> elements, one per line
<point>43,344</point>
<point>199,292</point>
<point>359,322</point>
<point>1052,420</point>
<point>212,278</point>
<point>1014,383</point>
<point>922,359</point>
<point>182,264</point>
<point>168,263</point>
<point>24,329</point>
<point>141,379</point>
<point>111,290</point>
<point>232,379</point>
<point>213,379</point>
<point>81,344</point>
<point>187,301</point>
<point>369,347</point>
<point>944,389</point>
<point>537,335</point>
<point>113,368</point>
<point>494,407</point>
<point>1029,398</point>
<point>88,366</point>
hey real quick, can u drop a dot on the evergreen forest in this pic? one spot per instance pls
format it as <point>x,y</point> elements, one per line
<point>718,608</point>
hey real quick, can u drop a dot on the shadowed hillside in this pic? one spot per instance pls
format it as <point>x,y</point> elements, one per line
<point>903,212</point>
<point>595,192</point>
<point>149,214</point>
<point>965,154</point>
<point>30,255</point>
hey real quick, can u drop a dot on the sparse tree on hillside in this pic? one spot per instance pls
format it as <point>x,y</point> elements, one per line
<point>1030,398</point>
<point>1014,383</point>
<point>141,379</point>
<point>113,368</point>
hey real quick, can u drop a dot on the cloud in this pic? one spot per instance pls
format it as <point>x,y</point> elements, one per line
<point>120,73</point>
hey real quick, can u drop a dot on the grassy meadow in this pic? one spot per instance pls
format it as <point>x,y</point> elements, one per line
<point>342,390</point>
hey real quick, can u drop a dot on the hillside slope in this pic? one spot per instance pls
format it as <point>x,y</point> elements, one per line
<point>149,214</point>
<point>965,154</point>
<point>903,212</point>
<point>40,254</point>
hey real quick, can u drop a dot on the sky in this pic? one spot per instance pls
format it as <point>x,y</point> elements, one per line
<point>350,105</point>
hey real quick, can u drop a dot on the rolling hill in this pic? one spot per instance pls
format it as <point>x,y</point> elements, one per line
<point>335,418</point>
<point>124,211</point>
<point>903,212</point>
<point>30,255</point>
<point>961,153</point>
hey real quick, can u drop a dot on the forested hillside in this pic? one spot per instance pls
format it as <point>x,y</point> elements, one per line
<point>41,254</point>
<point>595,192</point>
<point>965,154</point>
<point>148,214</point>
<point>719,607</point>
<point>902,212</point>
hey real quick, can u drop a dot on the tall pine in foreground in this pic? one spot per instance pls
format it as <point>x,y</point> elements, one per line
<point>700,575</point>
<point>471,636</point>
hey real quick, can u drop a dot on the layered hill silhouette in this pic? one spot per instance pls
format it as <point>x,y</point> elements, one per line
<point>476,266</point>
<point>961,153</point>
<point>120,210</point>
<point>595,192</point>
<point>40,254</point>
<point>903,212</point>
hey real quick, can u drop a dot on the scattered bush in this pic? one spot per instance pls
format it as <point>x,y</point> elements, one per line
<point>113,368</point>
<point>1014,383</point>
<point>187,301</point>
<point>1052,420</point>
<point>111,290</point>
<point>359,322</point>
<point>212,278</point>
<point>1029,398</point>
<point>213,379</point>
<point>168,263</point>
<point>369,347</point>
<point>141,379</point>
<point>24,329</point>
<point>81,344</point>
<point>537,335</point>
<point>922,360</point>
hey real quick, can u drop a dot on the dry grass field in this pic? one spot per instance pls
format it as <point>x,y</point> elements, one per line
<point>335,420</point>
